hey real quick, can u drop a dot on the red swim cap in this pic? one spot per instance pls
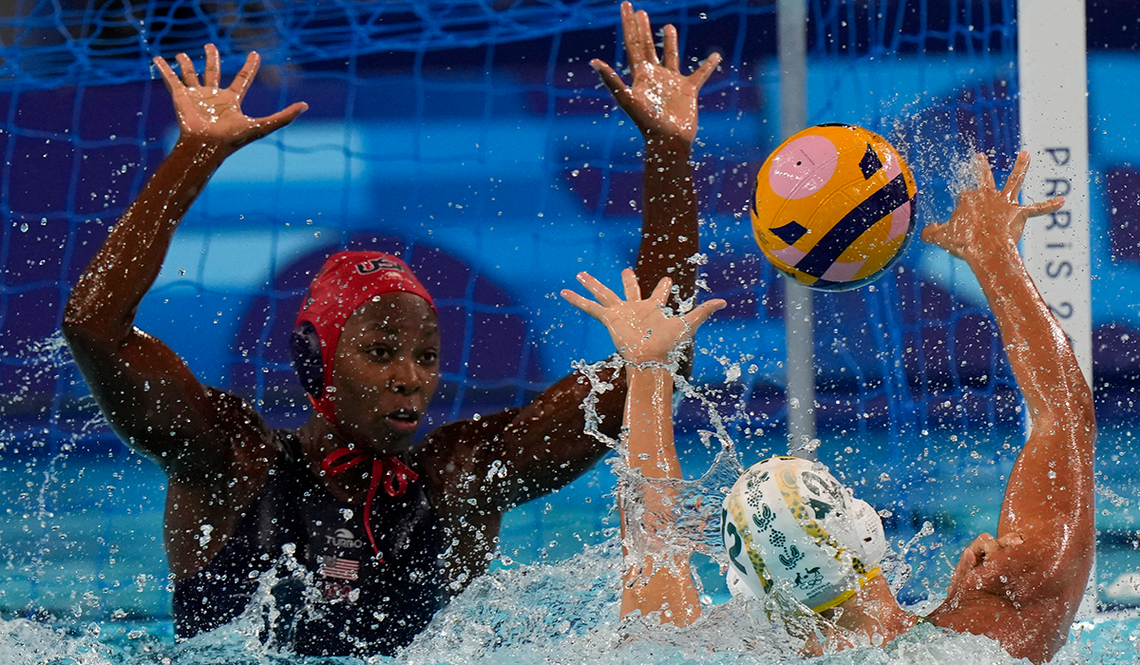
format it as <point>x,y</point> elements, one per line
<point>344,283</point>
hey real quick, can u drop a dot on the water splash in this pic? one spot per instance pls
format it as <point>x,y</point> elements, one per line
<point>565,611</point>
<point>894,564</point>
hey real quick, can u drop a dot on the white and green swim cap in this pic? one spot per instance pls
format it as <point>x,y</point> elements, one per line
<point>789,519</point>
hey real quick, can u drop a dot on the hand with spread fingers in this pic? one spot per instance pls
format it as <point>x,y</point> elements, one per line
<point>1034,569</point>
<point>212,113</point>
<point>646,334</point>
<point>987,216</point>
<point>642,331</point>
<point>662,101</point>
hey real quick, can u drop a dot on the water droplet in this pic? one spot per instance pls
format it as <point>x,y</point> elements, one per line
<point>24,227</point>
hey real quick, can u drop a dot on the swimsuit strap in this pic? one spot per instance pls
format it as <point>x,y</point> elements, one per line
<point>391,471</point>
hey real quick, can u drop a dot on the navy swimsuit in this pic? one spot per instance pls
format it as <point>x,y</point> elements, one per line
<point>363,604</point>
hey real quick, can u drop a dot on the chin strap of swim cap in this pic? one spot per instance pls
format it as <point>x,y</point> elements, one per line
<point>324,407</point>
<point>389,471</point>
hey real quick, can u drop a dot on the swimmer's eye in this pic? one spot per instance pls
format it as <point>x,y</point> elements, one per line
<point>379,353</point>
<point>429,357</point>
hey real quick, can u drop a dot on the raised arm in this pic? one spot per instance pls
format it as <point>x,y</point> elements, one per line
<point>651,344</point>
<point>1024,587</point>
<point>545,444</point>
<point>663,103</point>
<point>146,391</point>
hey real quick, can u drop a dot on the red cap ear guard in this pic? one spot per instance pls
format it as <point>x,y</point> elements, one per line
<point>305,346</point>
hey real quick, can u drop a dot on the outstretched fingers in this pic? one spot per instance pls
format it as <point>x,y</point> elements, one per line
<point>168,75</point>
<point>212,77</point>
<point>985,173</point>
<point>634,51</point>
<point>1016,178</point>
<point>645,38</point>
<point>701,76</point>
<point>186,67</point>
<point>1013,188</point>
<point>600,291</point>
<point>661,292</point>
<point>241,81</point>
<point>672,54</point>
<point>613,82</point>
<point>585,304</point>
<point>630,286</point>
<point>699,314</point>
<point>933,234</point>
<point>272,123</point>
<point>1044,207</point>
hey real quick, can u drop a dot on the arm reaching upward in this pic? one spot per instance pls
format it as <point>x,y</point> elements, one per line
<point>663,103</point>
<point>148,394</point>
<point>214,448</point>
<point>646,339</point>
<point>546,443</point>
<point>528,452</point>
<point>1032,576</point>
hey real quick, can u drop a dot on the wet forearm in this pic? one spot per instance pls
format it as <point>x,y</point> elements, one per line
<point>669,228</point>
<point>1039,353</point>
<point>648,421</point>
<point>1052,480</point>
<point>108,293</point>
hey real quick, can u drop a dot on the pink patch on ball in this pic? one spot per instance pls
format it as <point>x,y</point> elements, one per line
<point>900,221</point>
<point>803,167</point>
<point>842,272</point>
<point>891,166</point>
<point>790,255</point>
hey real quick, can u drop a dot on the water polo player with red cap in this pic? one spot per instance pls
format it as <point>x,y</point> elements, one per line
<point>383,528</point>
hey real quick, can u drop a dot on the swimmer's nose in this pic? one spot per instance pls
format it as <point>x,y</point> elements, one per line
<point>406,377</point>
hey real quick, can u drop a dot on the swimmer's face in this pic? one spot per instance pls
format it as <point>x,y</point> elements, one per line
<point>386,370</point>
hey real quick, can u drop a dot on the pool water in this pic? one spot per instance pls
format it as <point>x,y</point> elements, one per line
<point>561,605</point>
<point>545,613</point>
<point>84,577</point>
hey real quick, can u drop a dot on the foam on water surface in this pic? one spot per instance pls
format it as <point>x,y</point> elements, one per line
<point>552,611</point>
<point>564,612</point>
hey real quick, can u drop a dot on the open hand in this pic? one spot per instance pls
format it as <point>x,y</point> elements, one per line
<point>641,330</point>
<point>211,113</point>
<point>986,217</point>
<point>662,101</point>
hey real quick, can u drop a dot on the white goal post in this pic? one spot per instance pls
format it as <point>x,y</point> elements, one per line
<point>1053,82</point>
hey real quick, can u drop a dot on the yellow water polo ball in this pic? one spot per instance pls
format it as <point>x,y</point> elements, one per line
<point>834,207</point>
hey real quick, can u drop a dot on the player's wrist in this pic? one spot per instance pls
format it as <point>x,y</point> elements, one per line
<point>994,256</point>
<point>204,150</point>
<point>666,144</point>
<point>647,363</point>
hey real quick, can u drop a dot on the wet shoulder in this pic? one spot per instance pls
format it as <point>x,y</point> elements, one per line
<point>459,450</point>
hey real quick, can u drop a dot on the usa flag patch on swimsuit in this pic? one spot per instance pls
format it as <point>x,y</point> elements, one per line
<point>336,567</point>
